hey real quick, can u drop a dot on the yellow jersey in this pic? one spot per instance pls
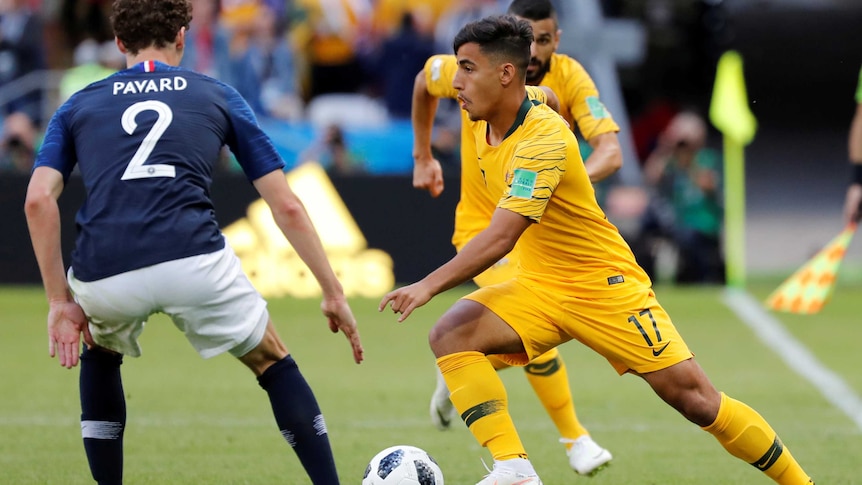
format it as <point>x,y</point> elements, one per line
<point>579,105</point>
<point>537,172</point>
<point>475,206</point>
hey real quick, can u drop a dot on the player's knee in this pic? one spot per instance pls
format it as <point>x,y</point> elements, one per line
<point>268,351</point>
<point>444,337</point>
<point>698,404</point>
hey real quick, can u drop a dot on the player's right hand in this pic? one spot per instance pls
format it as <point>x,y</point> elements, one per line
<point>428,175</point>
<point>340,317</point>
<point>66,323</point>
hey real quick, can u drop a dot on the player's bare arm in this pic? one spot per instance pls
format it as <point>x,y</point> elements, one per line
<point>291,217</point>
<point>606,158</point>
<point>66,320</point>
<point>427,172</point>
<point>476,256</point>
<point>553,101</point>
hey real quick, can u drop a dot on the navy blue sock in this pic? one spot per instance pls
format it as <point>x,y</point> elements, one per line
<point>103,414</point>
<point>299,418</point>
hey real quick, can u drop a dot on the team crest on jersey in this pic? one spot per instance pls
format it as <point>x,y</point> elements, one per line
<point>597,109</point>
<point>523,184</point>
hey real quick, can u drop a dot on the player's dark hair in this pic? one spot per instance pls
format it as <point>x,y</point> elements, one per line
<point>534,10</point>
<point>140,24</point>
<point>501,37</point>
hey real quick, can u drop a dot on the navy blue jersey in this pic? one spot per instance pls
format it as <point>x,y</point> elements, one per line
<point>146,141</point>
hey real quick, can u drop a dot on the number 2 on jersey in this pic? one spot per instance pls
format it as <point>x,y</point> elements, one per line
<point>136,168</point>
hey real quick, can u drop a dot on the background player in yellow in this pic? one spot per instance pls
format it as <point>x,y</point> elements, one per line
<point>578,278</point>
<point>853,199</point>
<point>582,109</point>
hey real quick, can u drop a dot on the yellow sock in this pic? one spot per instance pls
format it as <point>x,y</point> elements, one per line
<point>547,374</point>
<point>479,395</point>
<point>746,435</point>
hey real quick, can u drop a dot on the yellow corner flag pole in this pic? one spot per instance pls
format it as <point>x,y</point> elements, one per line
<point>730,114</point>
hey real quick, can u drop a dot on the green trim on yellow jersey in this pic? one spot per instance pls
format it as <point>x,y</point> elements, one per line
<point>526,104</point>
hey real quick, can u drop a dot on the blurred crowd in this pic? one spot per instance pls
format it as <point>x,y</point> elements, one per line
<point>279,54</point>
<point>337,63</point>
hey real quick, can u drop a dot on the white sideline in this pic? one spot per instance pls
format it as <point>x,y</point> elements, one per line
<point>770,330</point>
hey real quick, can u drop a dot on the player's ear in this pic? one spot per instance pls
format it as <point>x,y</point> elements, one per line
<point>557,38</point>
<point>121,46</point>
<point>507,73</point>
<point>181,39</point>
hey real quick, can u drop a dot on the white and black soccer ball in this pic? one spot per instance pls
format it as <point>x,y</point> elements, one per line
<point>403,465</point>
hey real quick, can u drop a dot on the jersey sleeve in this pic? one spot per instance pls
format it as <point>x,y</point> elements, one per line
<point>439,72</point>
<point>538,166</point>
<point>252,148</point>
<point>538,94</point>
<point>585,105</point>
<point>58,146</point>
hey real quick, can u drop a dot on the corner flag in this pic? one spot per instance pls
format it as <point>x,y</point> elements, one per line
<point>810,287</point>
<point>728,109</point>
<point>729,113</point>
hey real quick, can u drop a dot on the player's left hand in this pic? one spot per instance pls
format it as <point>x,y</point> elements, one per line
<point>340,317</point>
<point>66,323</point>
<point>406,299</point>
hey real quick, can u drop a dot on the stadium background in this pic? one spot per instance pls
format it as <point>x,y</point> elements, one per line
<point>801,60</point>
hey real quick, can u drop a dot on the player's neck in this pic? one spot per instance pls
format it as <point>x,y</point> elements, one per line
<point>167,56</point>
<point>502,120</point>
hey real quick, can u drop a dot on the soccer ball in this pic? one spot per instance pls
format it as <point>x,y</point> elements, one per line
<point>403,465</point>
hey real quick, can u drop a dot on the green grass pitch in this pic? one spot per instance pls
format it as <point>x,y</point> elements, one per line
<point>192,421</point>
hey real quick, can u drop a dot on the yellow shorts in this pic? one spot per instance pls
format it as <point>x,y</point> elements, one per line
<point>633,332</point>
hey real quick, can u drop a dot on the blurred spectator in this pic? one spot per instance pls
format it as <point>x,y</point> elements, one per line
<point>18,144</point>
<point>460,14</point>
<point>92,63</point>
<point>241,20</point>
<point>86,19</point>
<point>21,53</point>
<point>388,14</point>
<point>326,36</point>
<point>331,151</point>
<point>648,124</point>
<point>400,57</point>
<point>206,41</point>
<point>270,56</point>
<point>684,177</point>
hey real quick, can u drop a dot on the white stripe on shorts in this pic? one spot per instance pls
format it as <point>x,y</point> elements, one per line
<point>101,430</point>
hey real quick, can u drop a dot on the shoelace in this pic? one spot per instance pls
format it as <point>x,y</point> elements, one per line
<point>486,467</point>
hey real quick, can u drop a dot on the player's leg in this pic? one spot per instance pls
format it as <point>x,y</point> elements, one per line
<point>547,374</point>
<point>295,408</point>
<point>648,344</point>
<point>460,340</point>
<point>550,381</point>
<point>740,429</point>
<point>103,414</point>
<point>219,310</point>
<point>117,315</point>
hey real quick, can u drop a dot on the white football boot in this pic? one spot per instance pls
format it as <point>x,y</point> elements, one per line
<point>586,457</point>
<point>518,471</point>
<point>443,412</point>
